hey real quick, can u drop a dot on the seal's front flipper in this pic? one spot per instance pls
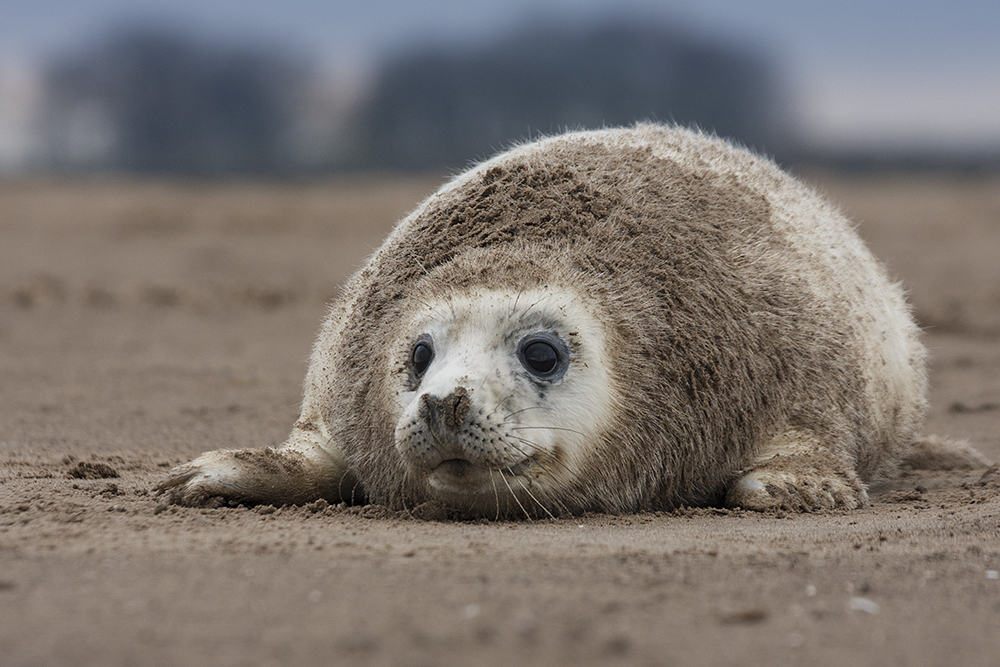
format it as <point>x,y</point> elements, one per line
<point>797,473</point>
<point>300,471</point>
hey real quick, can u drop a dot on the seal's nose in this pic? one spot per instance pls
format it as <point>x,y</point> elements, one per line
<point>445,416</point>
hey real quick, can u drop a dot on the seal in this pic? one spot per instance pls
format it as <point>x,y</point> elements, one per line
<point>612,321</point>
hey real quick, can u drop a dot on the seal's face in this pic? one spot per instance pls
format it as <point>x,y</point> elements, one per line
<point>502,395</point>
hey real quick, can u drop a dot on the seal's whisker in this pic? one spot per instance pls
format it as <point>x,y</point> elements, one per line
<point>538,448</point>
<point>528,491</point>
<point>514,495</point>
<point>517,412</point>
<point>513,309</point>
<point>499,403</point>
<point>528,308</point>
<point>562,507</point>
<point>496,494</point>
<point>545,470</point>
<point>554,498</point>
<point>548,428</point>
<point>432,309</point>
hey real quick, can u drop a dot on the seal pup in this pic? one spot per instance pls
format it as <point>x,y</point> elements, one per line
<point>611,321</point>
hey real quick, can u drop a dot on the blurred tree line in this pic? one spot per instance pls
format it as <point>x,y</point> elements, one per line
<point>156,102</point>
<point>446,107</point>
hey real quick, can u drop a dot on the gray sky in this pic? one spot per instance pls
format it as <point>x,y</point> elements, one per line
<point>859,71</point>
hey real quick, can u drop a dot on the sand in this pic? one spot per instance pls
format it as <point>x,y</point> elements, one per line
<point>142,323</point>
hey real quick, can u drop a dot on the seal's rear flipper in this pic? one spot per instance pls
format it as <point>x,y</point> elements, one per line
<point>796,472</point>
<point>934,452</point>
<point>300,471</point>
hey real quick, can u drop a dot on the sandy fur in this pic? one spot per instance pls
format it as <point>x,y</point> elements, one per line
<point>738,308</point>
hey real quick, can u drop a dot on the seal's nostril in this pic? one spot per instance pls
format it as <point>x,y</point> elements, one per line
<point>457,407</point>
<point>445,414</point>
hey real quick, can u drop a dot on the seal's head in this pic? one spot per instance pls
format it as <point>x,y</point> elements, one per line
<point>501,393</point>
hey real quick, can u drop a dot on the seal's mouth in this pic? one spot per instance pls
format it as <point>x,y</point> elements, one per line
<point>455,467</point>
<point>463,477</point>
<point>459,476</point>
<point>478,488</point>
<point>463,468</point>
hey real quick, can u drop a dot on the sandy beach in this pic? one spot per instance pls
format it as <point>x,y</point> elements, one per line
<point>144,322</point>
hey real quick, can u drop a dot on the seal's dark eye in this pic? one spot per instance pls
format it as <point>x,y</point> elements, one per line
<point>421,357</point>
<point>540,357</point>
<point>545,355</point>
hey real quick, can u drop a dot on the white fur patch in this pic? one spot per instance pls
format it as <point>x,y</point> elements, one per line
<point>515,418</point>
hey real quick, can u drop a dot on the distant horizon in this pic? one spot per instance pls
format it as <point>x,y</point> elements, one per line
<point>916,77</point>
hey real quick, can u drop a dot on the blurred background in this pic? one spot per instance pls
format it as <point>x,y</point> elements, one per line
<point>298,87</point>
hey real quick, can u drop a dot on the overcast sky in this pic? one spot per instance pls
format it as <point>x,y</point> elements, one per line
<point>859,71</point>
